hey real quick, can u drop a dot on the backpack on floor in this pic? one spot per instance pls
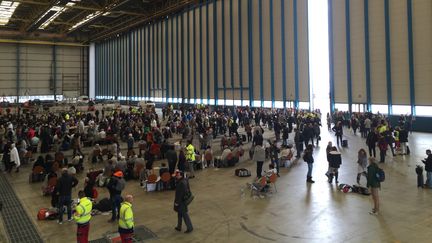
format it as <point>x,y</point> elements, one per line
<point>242,172</point>
<point>47,214</point>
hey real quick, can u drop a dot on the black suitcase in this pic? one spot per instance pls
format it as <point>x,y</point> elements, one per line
<point>420,179</point>
<point>345,143</point>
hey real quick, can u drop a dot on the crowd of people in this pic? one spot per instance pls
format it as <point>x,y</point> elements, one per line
<point>149,138</point>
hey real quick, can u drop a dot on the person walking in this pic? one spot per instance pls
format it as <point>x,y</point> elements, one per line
<point>361,165</point>
<point>115,187</point>
<point>126,220</point>
<point>180,205</point>
<point>259,158</point>
<point>82,217</point>
<point>308,158</point>
<point>64,189</point>
<point>374,184</point>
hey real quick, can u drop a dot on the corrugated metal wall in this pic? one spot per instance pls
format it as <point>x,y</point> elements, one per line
<point>259,52</point>
<point>382,52</point>
<point>28,70</point>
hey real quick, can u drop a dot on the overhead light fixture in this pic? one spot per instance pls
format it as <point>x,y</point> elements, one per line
<point>57,11</point>
<point>7,8</point>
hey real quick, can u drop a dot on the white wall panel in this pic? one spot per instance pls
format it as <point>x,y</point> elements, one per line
<point>422,38</point>
<point>377,52</point>
<point>211,50</point>
<point>339,50</point>
<point>399,52</point>
<point>303,51</point>
<point>358,65</point>
<point>256,50</point>
<point>266,50</point>
<point>277,47</point>
<point>236,48</point>
<point>289,45</point>
<point>245,50</point>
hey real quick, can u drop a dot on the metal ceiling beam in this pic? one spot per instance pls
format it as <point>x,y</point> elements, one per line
<point>35,42</point>
<point>39,14</point>
<point>80,7</point>
<point>137,21</point>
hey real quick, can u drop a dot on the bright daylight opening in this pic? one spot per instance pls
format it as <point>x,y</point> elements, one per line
<point>319,55</point>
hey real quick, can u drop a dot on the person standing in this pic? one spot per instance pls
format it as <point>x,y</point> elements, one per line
<point>64,188</point>
<point>335,160</point>
<point>374,184</point>
<point>428,168</point>
<point>361,165</point>
<point>382,145</point>
<point>338,129</point>
<point>82,217</point>
<point>298,139</point>
<point>171,156</point>
<point>115,187</point>
<point>190,158</point>
<point>308,158</point>
<point>274,156</point>
<point>259,158</point>
<point>180,205</point>
<point>126,220</point>
<point>371,141</point>
<point>14,158</point>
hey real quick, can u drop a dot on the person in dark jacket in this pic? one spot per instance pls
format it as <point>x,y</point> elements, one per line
<point>374,184</point>
<point>382,145</point>
<point>428,168</point>
<point>298,139</point>
<point>182,187</point>
<point>403,139</point>
<point>335,160</point>
<point>257,139</point>
<point>115,187</point>
<point>274,155</point>
<point>308,158</point>
<point>171,156</point>
<point>371,141</point>
<point>64,189</point>
<point>181,161</point>
<point>338,129</point>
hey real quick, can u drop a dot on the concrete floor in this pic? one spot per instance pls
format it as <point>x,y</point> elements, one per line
<point>297,212</point>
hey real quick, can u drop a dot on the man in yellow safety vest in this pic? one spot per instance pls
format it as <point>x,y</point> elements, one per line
<point>126,220</point>
<point>82,217</point>
<point>190,157</point>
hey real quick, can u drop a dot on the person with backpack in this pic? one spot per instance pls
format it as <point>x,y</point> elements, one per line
<point>308,158</point>
<point>374,183</point>
<point>115,187</point>
<point>180,205</point>
<point>335,160</point>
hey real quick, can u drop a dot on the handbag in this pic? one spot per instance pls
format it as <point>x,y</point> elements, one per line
<point>188,197</point>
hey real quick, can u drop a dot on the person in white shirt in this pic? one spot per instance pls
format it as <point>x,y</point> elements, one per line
<point>286,155</point>
<point>14,157</point>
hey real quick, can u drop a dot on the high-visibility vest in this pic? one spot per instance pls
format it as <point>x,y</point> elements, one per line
<point>382,129</point>
<point>83,211</point>
<point>190,153</point>
<point>126,220</point>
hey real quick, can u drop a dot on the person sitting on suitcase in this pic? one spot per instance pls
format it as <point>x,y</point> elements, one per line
<point>224,156</point>
<point>428,168</point>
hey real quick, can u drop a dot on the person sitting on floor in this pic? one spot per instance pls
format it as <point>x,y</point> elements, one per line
<point>224,157</point>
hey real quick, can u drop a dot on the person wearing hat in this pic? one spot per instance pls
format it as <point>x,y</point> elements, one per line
<point>115,187</point>
<point>182,187</point>
<point>64,189</point>
<point>126,220</point>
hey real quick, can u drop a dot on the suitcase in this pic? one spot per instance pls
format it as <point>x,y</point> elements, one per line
<point>420,179</point>
<point>345,143</point>
<point>243,138</point>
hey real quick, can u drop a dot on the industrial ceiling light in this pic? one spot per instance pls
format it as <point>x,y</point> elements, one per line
<point>7,8</point>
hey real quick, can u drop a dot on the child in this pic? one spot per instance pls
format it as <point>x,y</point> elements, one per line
<point>361,165</point>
